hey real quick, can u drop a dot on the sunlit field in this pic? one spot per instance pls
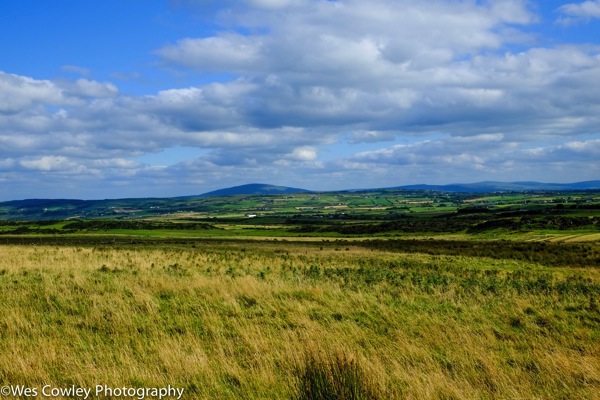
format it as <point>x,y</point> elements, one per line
<point>263,320</point>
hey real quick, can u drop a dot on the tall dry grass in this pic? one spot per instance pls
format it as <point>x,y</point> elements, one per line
<point>237,321</point>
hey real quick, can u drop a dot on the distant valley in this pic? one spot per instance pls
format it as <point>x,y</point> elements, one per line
<point>258,200</point>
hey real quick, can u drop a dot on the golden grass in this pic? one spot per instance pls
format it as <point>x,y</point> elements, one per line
<point>236,320</point>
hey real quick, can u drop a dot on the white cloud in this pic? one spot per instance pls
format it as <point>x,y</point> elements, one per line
<point>388,65</point>
<point>229,52</point>
<point>88,88</point>
<point>449,151</point>
<point>582,151</point>
<point>573,12</point>
<point>304,153</point>
<point>18,93</point>
<point>50,163</point>
<point>448,159</point>
<point>326,38</point>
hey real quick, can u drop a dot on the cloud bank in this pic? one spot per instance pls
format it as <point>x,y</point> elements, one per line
<point>323,95</point>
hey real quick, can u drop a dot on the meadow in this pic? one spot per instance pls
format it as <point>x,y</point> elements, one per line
<point>264,319</point>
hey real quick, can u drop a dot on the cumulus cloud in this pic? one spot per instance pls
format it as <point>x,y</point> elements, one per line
<point>304,153</point>
<point>19,92</point>
<point>88,88</point>
<point>574,12</point>
<point>230,52</point>
<point>383,66</point>
<point>326,38</point>
<point>51,163</point>
<point>450,151</point>
<point>587,151</point>
<point>448,158</point>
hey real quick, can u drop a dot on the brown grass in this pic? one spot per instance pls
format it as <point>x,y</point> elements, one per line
<point>237,321</point>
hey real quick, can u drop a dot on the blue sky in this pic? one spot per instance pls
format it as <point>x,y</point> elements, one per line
<point>178,97</point>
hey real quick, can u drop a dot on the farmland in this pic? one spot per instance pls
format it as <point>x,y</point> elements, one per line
<point>419,296</point>
<point>336,214</point>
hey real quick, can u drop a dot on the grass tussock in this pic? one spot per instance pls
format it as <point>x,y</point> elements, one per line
<point>234,321</point>
<point>334,377</point>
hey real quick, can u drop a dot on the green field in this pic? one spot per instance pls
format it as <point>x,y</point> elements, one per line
<point>345,296</point>
<point>373,214</point>
<point>368,205</point>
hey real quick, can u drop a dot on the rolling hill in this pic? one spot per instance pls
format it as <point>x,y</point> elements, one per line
<point>255,189</point>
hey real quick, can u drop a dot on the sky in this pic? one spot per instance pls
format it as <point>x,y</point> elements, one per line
<point>162,98</point>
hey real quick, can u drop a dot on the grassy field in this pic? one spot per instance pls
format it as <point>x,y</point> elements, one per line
<point>258,319</point>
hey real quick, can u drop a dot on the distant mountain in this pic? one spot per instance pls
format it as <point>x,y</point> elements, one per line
<point>491,186</point>
<point>255,188</point>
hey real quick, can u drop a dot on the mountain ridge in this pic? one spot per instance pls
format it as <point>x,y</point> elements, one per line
<point>496,186</point>
<point>267,189</point>
<point>475,187</point>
